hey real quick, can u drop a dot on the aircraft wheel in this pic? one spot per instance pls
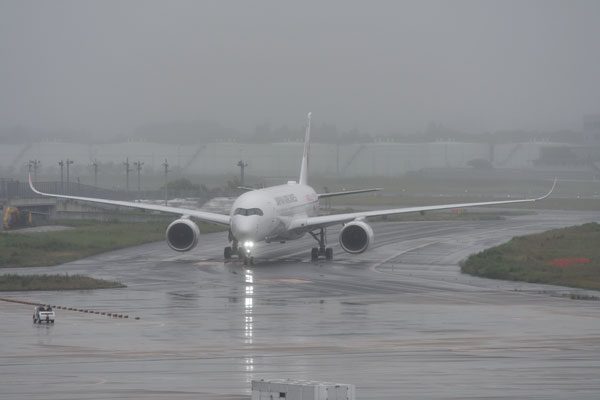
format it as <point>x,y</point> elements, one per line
<point>314,254</point>
<point>227,253</point>
<point>329,254</point>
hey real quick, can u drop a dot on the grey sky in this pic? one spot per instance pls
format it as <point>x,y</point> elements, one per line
<point>107,67</point>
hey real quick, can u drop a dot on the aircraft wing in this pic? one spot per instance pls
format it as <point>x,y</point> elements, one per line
<point>200,215</point>
<point>310,223</point>
<point>345,192</point>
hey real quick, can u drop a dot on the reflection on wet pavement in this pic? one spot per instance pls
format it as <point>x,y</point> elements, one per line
<point>399,318</point>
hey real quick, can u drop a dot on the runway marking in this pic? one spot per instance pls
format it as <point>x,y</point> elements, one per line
<point>205,263</point>
<point>373,267</point>
<point>305,252</point>
<point>284,280</point>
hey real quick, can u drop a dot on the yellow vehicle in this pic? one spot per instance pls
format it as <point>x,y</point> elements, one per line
<point>12,217</point>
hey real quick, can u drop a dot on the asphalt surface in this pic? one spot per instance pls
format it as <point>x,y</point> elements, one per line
<point>398,321</point>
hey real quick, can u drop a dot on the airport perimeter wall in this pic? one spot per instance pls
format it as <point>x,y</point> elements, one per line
<point>272,159</point>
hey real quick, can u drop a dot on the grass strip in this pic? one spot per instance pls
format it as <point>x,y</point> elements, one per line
<point>566,257</point>
<point>13,282</point>
<point>86,239</point>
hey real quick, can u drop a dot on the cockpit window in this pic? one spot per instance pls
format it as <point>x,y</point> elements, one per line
<point>248,211</point>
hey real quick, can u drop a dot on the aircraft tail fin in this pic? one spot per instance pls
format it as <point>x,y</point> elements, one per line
<point>304,165</point>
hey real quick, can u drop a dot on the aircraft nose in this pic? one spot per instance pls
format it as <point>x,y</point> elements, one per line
<point>244,228</point>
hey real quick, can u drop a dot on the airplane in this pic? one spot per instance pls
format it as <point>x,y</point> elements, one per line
<point>278,214</point>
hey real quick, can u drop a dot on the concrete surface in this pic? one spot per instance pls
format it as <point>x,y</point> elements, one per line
<point>398,321</point>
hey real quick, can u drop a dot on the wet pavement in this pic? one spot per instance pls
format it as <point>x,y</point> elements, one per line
<point>398,321</point>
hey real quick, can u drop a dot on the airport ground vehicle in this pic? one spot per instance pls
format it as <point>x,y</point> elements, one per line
<point>43,314</point>
<point>12,217</point>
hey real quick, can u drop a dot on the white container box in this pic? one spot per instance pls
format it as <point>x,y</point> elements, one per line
<point>291,389</point>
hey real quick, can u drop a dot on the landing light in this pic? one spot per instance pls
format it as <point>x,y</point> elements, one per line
<point>248,244</point>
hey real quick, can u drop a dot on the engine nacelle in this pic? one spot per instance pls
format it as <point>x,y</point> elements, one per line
<point>182,234</point>
<point>356,237</point>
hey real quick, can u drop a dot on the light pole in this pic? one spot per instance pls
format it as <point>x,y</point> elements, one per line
<point>95,166</point>
<point>242,166</point>
<point>166,166</point>
<point>138,166</point>
<point>34,165</point>
<point>62,176</point>
<point>68,162</point>
<point>127,171</point>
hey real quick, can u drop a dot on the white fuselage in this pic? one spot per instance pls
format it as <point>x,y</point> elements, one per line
<point>265,214</point>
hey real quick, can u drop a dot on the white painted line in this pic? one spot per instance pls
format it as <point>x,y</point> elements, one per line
<point>373,267</point>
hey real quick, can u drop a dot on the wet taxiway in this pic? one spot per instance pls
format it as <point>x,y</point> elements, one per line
<point>398,321</point>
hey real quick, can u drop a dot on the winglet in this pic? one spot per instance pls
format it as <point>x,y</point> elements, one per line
<point>304,166</point>
<point>31,185</point>
<point>33,189</point>
<point>550,192</point>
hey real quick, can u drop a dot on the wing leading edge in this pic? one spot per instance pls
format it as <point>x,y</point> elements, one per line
<point>345,192</point>
<point>221,219</point>
<point>310,223</point>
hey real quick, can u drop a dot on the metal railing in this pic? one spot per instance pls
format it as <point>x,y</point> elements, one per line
<point>12,189</point>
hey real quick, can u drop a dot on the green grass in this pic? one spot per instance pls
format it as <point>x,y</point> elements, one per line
<point>414,185</point>
<point>12,282</point>
<point>408,191</point>
<point>86,239</point>
<point>529,258</point>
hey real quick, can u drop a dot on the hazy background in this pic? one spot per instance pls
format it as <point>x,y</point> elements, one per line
<point>110,68</point>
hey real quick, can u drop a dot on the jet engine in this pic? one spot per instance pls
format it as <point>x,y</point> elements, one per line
<point>356,236</point>
<point>182,234</point>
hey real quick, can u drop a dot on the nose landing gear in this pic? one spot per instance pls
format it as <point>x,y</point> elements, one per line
<point>243,253</point>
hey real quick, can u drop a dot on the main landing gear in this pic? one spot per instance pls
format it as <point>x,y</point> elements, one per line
<point>322,250</point>
<point>228,252</point>
<point>241,253</point>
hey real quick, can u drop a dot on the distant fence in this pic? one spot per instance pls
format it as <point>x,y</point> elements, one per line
<point>12,189</point>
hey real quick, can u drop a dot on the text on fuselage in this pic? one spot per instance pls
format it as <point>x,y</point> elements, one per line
<point>286,199</point>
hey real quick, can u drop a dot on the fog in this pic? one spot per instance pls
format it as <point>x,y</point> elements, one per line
<point>106,68</point>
